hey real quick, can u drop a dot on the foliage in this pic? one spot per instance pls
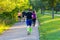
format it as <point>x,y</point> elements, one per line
<point>22,4</point>
<point>9,10</point>
<point>7,6</point>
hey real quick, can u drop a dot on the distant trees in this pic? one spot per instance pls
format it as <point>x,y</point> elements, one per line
<point>53,4</point>
<point>57,8</point>
<point>45,4</point>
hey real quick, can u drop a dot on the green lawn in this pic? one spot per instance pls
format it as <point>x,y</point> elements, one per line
<point>49,28</point>
<point>49,12</point>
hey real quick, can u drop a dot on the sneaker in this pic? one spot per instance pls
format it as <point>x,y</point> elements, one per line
<point>28,33</point>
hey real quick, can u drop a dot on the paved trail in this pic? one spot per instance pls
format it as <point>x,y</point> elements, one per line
<point>18,32</point>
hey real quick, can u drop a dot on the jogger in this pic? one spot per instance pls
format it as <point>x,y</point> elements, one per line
<point>19,16</point>
<point>23,15</point>
<point>29,22</point>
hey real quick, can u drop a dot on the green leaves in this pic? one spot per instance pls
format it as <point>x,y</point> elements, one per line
<point>22,4</point>
<point>9,5</point>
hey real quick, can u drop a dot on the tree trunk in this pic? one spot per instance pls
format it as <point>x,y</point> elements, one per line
<point>41,11</point>
<point>52,13</point>
<point>56,11</point>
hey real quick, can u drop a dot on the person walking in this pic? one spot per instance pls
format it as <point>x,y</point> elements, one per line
<point>23,16</point>
<point>34,18</point>
<point>19,16</point>
<point>29,21</point>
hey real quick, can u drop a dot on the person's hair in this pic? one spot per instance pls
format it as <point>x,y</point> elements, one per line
<point>33,11</point>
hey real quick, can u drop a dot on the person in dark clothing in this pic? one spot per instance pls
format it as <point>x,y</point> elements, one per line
<point>29,21</point>
<point>23,15</point>
<point>29,18</point>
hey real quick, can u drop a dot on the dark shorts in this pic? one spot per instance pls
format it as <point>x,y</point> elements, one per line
<point>29,22</point>
<point>19,16</point>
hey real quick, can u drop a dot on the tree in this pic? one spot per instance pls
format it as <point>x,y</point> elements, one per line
<point>57,8</point>
<point>22,4</point>
<point>9,5</point>
<point>35,4</point>
<point>6,6</point>
<point>53,4</point>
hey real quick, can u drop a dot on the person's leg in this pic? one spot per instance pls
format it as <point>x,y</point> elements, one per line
<point>18,18</point>
<point>29,29</point>
<point>34,21</point>
<point>23,18</point>
<point>27,22</point>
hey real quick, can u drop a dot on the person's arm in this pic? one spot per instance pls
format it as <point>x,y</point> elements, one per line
<point>32,15</point>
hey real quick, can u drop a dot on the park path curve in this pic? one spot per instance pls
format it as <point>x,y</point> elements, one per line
<point>18,32</point>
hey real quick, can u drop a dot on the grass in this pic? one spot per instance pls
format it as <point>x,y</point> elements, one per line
<point>49,12</point>
<point>49,28</point>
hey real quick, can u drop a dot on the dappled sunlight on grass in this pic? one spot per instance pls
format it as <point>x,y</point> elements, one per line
<point>53,36</point>
<point>50,20</point>
<point>45,16</point>
<point>50,26</point>
<point>52,31</point>
<point>49,30</point>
